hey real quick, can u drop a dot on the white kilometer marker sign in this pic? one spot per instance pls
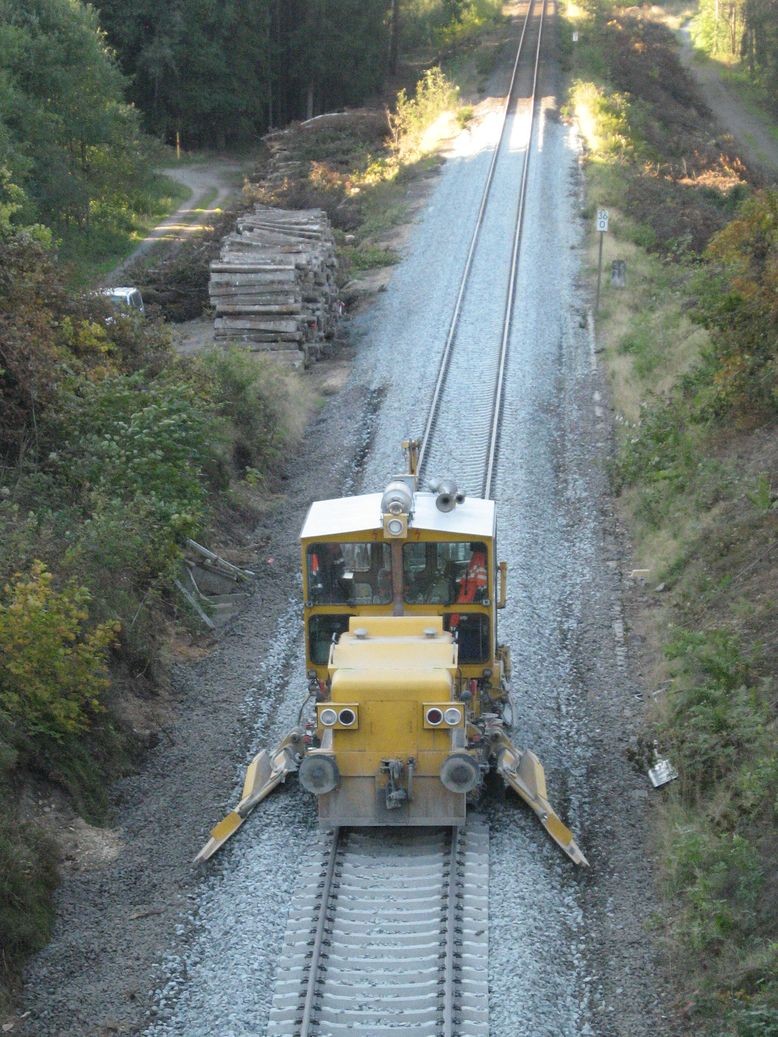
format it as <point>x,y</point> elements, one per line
<point>602,226</point>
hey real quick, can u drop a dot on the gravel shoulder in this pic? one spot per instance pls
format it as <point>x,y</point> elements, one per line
<point>144,944</point>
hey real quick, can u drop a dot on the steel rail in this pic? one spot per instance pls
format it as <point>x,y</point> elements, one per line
<point>494,437</point>
<point>454,323</point>
<point>308,1020</point>
<point>449,974</point>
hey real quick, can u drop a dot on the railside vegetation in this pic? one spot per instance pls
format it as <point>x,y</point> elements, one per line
<point>693,359</point>
<point>113,451</point>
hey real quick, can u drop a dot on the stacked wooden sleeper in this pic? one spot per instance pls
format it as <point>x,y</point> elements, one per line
<point>273,287</point>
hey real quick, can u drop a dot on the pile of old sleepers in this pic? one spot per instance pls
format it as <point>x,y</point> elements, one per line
<point>273,287</point>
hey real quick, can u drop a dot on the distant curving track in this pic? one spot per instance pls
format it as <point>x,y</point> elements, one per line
<point>388,935</point>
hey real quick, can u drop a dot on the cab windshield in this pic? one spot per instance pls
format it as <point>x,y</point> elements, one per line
<point>343,573</point>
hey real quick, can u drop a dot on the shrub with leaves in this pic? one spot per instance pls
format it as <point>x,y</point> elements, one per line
<point>414,115</point>
<point>739,303</point>
<point>132,439</point>
<point>251,396</point>
<point>52,665</point>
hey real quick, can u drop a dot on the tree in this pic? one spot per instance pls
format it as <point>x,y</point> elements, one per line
<point>67,139</point>
<point>200,68</point>
<point>223,71</point>
<point>760,45</point>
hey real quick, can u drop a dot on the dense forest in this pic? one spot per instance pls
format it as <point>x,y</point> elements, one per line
<point>745,31</point>
<point>84,88</point>
<point>219,72</point>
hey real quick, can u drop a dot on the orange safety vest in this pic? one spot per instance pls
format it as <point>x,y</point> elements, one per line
<point>473,581</point>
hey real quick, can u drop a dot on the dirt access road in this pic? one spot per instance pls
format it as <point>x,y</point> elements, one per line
<point>754,133</point>
<point>212,183</point>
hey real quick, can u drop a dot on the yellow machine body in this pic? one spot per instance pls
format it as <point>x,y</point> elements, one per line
<point>400,599</point>
<point>352,566</point>
<point>391,672</point>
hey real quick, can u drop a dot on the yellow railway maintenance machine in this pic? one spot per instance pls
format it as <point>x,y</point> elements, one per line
<point>401,592</point>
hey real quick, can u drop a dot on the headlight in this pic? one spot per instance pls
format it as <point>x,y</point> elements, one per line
<point>453,716</point>
<point>328,717</point>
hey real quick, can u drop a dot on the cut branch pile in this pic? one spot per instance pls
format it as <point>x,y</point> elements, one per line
<point>273,287</point>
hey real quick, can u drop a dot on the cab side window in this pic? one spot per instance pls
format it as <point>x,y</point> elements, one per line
<point>471,632</point>
<point>321,632</point>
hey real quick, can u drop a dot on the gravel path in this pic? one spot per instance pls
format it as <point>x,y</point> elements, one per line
<point>754,132</point>
<point>147,946</point>
<point>221,176</point>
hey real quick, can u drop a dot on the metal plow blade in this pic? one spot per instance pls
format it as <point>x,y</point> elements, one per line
<point>264,773</point>
<point>523,771</point>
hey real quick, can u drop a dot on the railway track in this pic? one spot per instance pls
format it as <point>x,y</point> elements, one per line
<point>476,347</point>
<point>388,932</point>
<point>388,935</point>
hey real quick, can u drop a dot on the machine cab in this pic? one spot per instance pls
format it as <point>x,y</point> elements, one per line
<point>407,553</point>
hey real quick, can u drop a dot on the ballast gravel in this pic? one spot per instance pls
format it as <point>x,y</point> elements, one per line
<point>571,953</point>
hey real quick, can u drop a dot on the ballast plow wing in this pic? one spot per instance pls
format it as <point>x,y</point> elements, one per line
<point>524,772</point>
<point>264,773</point>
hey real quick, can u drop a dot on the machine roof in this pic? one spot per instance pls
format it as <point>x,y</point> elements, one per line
<point>343,515</point>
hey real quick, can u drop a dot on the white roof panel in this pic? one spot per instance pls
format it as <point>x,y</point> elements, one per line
<point>344,515</point>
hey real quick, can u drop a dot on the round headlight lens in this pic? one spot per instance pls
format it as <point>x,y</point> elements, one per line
<point>434,716</point>
<point>347,717</point>
<point>453,716</point>
<point>395,527</point>
<point>328,717</point>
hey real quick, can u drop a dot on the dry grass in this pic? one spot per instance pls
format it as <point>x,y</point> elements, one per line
<point>648,339</point>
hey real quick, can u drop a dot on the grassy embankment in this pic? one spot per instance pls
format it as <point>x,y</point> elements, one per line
<point>114,450</point>
<point>692,355</point>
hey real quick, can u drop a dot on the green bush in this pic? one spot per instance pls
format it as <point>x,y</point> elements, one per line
<point>251,399</point>
<point>53,669</point>
<point>738,302</point>
<point>414,115</point>
<point>468,21</point>
<point>135,448</point>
